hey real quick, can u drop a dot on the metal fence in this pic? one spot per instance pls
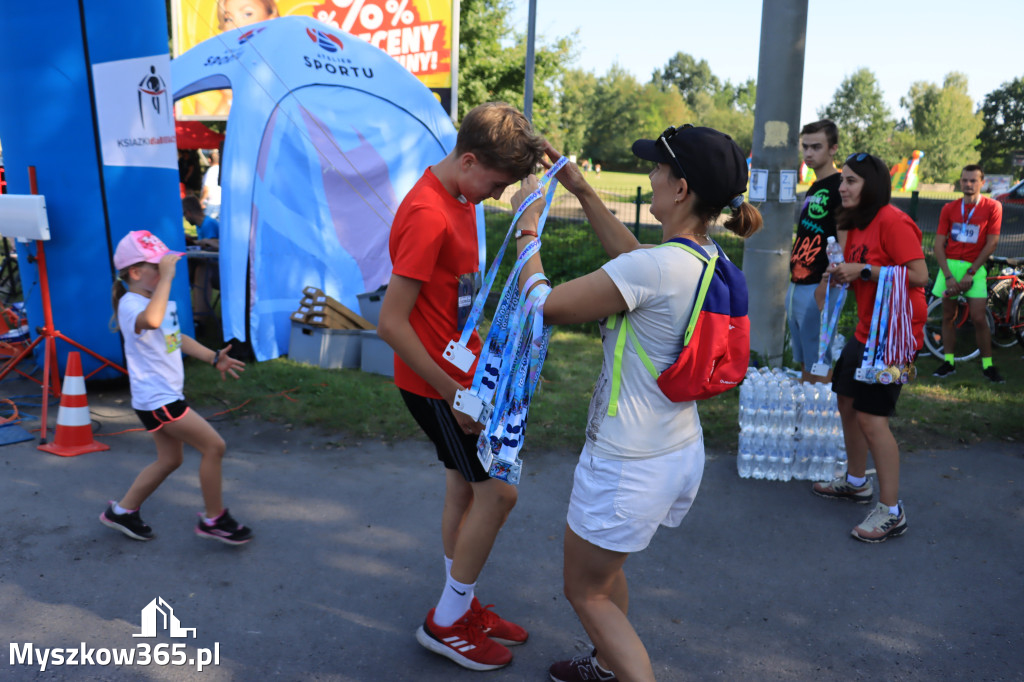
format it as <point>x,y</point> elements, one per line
<point>571,250</point>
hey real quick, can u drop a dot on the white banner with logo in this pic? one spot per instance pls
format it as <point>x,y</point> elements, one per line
<point>136,112</point>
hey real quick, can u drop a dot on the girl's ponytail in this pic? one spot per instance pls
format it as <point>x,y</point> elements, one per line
<point>116,292</point>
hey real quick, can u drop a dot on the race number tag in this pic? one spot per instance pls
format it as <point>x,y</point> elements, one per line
<point>965,233</point>
<point>469,404</point>
<point>459,355</point>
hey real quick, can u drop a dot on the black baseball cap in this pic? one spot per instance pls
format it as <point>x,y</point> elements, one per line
<point>711,162</point>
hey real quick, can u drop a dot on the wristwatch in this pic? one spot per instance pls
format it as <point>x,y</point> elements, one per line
<point>865,273</point>
<point>971,271</point>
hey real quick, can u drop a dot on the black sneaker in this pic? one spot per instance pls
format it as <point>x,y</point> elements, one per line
<point>226,529</point>
<point>580,669</point>
<point>944,370</point>
<point>131,524</point>
<point>993,375</point>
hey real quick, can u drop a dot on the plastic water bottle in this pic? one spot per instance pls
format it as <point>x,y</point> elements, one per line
<point>745,453</point>
<point>788,430</point>
<point>760,456</point>
<point>834,250</point>
<point>745,457</point>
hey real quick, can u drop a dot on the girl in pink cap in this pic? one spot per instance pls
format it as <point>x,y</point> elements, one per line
<point>153,344</point>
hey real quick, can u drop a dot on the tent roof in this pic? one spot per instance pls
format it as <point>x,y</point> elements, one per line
<point>195,135</point>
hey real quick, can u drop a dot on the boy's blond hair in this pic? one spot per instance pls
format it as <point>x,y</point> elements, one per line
<point>501,138</point>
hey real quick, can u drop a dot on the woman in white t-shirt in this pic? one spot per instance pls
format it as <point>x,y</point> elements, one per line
<point>153,344</point>
<point>641,466</point>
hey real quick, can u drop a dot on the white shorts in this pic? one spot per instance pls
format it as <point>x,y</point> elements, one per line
<point>619,504</point>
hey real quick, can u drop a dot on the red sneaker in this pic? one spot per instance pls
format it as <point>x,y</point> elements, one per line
<point>494,626</point>
<point>463,642</point>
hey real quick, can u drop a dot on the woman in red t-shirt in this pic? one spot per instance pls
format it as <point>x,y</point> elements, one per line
<point>876,234</point>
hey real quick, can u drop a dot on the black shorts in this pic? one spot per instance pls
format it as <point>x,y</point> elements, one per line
<point>877,399</point>
<point>455,449</point>
<point>154,420</point>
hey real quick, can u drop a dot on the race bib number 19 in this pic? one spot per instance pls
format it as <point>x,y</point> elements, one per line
<point>965,233</point>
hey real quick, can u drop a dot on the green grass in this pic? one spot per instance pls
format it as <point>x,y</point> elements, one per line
<point>349,403</point>
<point>932,413</point>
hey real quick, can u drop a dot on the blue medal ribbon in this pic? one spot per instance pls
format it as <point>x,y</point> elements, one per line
<point>828,324</point>
<point>478,304</point>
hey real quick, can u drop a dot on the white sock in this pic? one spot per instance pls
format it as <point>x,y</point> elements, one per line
<point>454,602</point>
<point>895,511</point>
<point>119,510</point>
<point>857,481</point>
<point>447,567</point>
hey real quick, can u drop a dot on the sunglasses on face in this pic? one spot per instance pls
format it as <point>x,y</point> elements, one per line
<point>669,133</point>
<point>857,156</point>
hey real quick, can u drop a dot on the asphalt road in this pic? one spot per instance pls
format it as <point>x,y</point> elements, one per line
<point>761,582</point>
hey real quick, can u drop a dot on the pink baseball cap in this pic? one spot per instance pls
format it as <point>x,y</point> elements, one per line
<point>140,246</point>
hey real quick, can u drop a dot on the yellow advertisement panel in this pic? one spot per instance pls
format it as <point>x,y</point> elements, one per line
<point>417,33</point>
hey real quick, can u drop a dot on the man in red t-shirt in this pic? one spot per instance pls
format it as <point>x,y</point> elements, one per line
<point>968,234</point>
<point>435,262</point>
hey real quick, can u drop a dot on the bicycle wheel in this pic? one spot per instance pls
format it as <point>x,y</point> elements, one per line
<point>1017,318</point>
<point>1000,306</point>
<point>966,345</point>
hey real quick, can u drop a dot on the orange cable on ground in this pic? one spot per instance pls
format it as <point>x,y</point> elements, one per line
<point>14,418</point>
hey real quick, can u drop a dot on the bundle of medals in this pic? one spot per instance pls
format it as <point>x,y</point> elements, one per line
<point>889,352</point>
<point>512,355</point>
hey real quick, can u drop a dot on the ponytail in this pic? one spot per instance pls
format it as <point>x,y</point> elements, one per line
<point>116,292</point>
<point>744,221</point>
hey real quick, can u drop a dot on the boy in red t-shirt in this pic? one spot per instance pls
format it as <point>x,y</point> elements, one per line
<point>435,262</point>
<point>968,234</point>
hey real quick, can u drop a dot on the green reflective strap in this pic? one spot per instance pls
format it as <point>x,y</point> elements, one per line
<point>620,343</point>
<point>627,328</point>
<point>641,353</point>
<point>702,290</point>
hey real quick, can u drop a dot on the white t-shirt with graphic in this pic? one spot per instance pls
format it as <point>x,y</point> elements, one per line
<point>155,370</point>
<point>659,286</point>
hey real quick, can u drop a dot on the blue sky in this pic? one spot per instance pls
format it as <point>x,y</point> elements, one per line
<point>900,42</point>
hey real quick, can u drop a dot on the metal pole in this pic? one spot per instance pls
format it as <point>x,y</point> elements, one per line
<point>456,6</point>
<point>531,37</point>
<point>639,200</point>
<point>780,74</point>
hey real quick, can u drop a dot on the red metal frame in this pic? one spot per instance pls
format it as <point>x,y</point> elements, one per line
<point>48,335</point>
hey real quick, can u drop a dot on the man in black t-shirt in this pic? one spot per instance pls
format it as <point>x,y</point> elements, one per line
<point>819,142</point>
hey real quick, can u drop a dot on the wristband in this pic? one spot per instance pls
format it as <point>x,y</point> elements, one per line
<point>971,271</point>
<point>216,358</point>
<point>527,233</point>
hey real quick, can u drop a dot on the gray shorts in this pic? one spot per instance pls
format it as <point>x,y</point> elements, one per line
<point>804,324</point>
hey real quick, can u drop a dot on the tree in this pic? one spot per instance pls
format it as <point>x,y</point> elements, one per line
<point>614,120</point>
<point>1003,134</point>
<point>492,62</point>
<point>945,126</point>
<point>865,123</point>
<point>575,100</point>
<point>687,75</point>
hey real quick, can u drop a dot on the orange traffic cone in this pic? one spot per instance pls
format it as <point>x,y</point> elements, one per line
<point>74,425</point>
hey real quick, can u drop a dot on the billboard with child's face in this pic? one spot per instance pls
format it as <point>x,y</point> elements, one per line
<point>417,33</point>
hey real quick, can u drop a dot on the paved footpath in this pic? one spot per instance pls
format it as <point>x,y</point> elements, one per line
<point>761,582</point>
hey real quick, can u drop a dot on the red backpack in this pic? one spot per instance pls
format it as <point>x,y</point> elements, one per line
<point>716,345</point>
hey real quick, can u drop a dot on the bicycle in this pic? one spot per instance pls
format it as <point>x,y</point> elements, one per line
<point>1004,314</point>
<point>1005,296</point>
